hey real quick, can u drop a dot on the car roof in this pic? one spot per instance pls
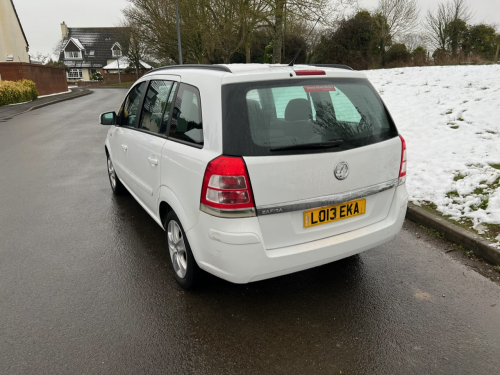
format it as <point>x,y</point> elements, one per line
<point>266,72</point>
<point>232,73</point>
<point>271,68</point>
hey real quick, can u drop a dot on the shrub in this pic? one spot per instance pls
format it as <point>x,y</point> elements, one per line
<point>419,55</point>
<point>398,52</point>
<point>96,77</point>
<point>17,92</point>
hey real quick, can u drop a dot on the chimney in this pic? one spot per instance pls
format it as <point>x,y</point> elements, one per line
<point>64,29</point>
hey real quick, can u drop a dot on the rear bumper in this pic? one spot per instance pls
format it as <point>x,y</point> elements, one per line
<point>232,249</point>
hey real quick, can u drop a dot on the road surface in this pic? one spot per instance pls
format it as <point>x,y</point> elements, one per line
<point>86,288</point>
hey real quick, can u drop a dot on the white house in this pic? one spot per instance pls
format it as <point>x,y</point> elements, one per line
<point>13,43</point>
<point>86,50</point>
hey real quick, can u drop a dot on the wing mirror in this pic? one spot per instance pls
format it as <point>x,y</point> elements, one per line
<point>108,118</point>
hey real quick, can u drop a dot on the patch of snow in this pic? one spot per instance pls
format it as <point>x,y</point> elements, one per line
<point>18,103</point>
<point>450,119</point>
<point>57,93</point>
<point>480,228</point>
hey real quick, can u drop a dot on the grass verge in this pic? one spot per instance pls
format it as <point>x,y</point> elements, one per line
<point>490,235</point>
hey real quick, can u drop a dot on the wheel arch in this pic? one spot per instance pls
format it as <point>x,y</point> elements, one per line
<point>167,202</point>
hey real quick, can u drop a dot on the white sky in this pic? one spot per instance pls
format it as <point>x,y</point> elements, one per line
<point>486,11</point>
<point>41,19</point>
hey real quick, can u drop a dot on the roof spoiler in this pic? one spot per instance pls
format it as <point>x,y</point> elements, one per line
<point>221,68</point>
<point>338,66</point>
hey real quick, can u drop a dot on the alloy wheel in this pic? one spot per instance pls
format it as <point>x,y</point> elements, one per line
<point>111,173</point>
<point>177,249</point>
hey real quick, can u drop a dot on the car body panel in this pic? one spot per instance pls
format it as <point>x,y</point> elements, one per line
<point>294,178</point>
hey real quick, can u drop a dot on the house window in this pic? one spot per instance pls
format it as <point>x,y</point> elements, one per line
<point>117,52</point>
<point>91,52</point>
<point>75,73</point>
<point>73,54</point>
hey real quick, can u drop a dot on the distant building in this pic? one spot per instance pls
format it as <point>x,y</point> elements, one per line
<point>123,64</point>
<point>13,43</point>
<point>86,50</point>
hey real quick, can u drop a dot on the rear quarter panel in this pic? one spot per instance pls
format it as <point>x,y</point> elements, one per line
<point>183,166</point>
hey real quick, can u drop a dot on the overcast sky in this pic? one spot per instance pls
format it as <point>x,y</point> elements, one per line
<point>41,19</point>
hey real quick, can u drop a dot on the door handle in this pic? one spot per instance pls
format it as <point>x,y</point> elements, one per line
<point>125,147</point>
<point>153,160</point>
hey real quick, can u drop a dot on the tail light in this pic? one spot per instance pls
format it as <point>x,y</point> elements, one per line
<point>226,190</point>
<point>402,168</point>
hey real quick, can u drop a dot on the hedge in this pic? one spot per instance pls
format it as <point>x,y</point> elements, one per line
<point>17,92</point>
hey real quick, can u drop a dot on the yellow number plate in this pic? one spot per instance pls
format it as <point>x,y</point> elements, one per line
<point>338,212</point>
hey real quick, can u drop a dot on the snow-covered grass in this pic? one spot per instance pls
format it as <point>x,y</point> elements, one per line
<point>450,119</point>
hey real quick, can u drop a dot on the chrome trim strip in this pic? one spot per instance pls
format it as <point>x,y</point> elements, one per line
<point>230,214</point>
<point>329,200</point>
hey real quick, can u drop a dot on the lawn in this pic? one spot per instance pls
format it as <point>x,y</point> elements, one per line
<point>450,118</point>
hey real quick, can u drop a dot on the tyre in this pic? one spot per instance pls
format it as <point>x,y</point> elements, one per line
<point>114,181</point>
<point>186,271</point>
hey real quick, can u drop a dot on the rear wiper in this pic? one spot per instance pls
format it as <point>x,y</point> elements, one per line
<point>308,146</point>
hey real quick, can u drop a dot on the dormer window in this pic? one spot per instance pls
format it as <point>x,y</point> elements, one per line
<point>73,54</point>
<point>116,50</point>
<point>73,49</point>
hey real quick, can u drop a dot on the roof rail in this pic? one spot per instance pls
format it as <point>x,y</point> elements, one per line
<point>339,66</point>
<point>221,68</point>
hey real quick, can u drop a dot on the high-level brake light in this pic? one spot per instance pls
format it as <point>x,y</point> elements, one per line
<point>310,72</point>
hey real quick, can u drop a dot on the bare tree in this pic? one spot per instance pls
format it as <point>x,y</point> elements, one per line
<point>414,40</point>
<point>396,18</point>
<point>212,30</point>
<point>157,18</point>
<point>56,50</point>
<point>330,11</point>
<point>43,58</point>
<point>446,14</point>
<point>133,43</point>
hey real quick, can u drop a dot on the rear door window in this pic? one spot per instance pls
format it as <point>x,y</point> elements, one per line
<point>186,123</point>
<point>154,104</point>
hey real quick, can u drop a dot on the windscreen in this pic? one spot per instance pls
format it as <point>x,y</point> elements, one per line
<point>302,116</point>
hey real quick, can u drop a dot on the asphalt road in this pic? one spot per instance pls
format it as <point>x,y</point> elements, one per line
<point>85,285</point>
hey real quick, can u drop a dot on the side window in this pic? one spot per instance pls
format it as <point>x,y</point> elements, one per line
<point>128,110</point>
<point>344,109</point>
<point>186,123</point>
<point>284,97</point>
<point>166,114</point>
<point>154,103</point>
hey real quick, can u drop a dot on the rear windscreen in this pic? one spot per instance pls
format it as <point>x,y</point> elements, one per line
<point>302,116</point>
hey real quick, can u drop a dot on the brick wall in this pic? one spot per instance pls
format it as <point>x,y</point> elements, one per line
<point>89,83</point>
<point>126,77</point>
<point>48,79</point>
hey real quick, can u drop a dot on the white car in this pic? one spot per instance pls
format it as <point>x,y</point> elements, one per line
<point>256,171</point>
